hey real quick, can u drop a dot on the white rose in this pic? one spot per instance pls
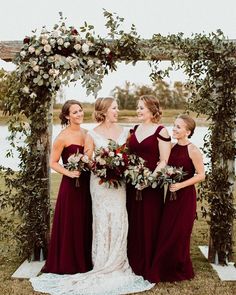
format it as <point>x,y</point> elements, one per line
<point>47,48</point>
<point>60,41</point>
<point>66,44</point>
<point>111,154</point>
<point>36,68</point>
<point>33,95</point>
<point>55,34</point>
<point>56,73</point>
<point>78,38</point>
<point>23,53</point>
<point>37,51</point>
<point>52,42</point>
<point>25,89</point>
<point>107,50</point>
<point>85,48</point>
<point>77,47</point>
<point>51,72</point>
<point>44,41</point>
<point>90,62</point>
<point>31,49</point>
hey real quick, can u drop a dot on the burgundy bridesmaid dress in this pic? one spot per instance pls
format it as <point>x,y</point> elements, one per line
<point>144,215</point>
<point>71,237</point>
<point>172,258</point>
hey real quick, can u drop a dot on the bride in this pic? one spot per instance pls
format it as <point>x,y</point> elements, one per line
<point>111,272</point>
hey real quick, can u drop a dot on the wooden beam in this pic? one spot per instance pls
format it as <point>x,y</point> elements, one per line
<point>9,49</point>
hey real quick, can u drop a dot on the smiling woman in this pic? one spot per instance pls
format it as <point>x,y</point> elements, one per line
<point>70,244</point>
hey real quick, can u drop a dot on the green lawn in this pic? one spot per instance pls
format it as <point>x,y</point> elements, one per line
<point>206,281</point>
<point>124,116</point>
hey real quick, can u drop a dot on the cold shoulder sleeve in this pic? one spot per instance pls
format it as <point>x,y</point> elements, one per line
<point>157,133</point>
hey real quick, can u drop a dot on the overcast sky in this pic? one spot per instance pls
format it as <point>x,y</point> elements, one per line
<point>19,18</point>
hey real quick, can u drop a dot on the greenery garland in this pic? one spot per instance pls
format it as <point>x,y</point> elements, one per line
<point>51,59</point>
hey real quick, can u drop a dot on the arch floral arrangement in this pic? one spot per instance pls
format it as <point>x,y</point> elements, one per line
<point>66,54</point>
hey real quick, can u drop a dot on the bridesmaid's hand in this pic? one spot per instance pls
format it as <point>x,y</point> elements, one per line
<point>73,174</point>
<point>175,187</point>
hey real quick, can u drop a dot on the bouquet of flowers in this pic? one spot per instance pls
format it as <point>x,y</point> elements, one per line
<point>110,163</point>
<point>139,175</point>
<point>169,175</point>
<point>79,162</point>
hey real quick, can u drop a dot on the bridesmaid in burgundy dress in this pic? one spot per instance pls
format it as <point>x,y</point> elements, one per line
<point>71,237</point>
<point>173,252</point>
<point>150,141</point>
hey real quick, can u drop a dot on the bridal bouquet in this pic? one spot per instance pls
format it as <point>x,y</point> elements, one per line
<point>169,175</point>
<point>139,175</point>
<point>77,162</point>
<point>110,163</point>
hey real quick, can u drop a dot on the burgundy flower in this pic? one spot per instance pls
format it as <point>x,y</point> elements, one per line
<point>110,57</point>
<point>26,40</point>
<point>74,31</point>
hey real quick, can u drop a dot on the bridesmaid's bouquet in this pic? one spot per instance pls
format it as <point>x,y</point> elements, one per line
<point>110,163</point>
<point>139,175</point>
<point>78,162</point>
<point>169,175</point>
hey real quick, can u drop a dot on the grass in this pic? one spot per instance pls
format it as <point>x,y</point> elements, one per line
<point>128,116</point>
<point>206,281</point>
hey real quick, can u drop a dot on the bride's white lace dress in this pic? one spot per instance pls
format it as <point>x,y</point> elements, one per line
<point>111,274</point>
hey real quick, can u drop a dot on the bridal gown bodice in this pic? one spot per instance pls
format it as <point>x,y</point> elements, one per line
<point>111,272</point>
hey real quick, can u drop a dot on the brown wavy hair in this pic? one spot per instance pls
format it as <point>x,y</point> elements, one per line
<point>153,104</point>
<point>102,104</point>
<point>65,110</point>
<point>190,123</point>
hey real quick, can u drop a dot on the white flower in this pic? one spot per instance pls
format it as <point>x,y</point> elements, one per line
<point>55,34</point>
<point>107,50</point>
<point>36,68</point>
<point>23,53</point>
<point>66,44</point>
<point>56,73</point>
<point>78,38</point>
<point>52,42</point>
<point>25,89</point>
<point>63,29</point>
<point>31,49</point>
<point>33,63</point>
<point>37,51</point>
<point>111,154</point>
<point>101,161</point>
<point>98,61</point>
<point>47,48</point>
<point>44,41</point>
<point>33,95</point>
<point>90,62</point>
<point>85,48</point>
<point>77,47</point>
<point>60,41</point>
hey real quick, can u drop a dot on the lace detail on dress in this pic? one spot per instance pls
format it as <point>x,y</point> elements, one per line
<point>111,274</point>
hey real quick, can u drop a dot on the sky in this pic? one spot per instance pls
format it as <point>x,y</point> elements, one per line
<point>19,18</point>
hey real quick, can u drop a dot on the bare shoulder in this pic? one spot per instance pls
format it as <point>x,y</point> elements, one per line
<point>194,151</point>
<point>61,138</point>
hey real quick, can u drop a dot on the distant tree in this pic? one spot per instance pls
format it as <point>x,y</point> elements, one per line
<point>169,97</point>
<point>161,90</point>
<point>125,96</point>
<point>180,95</point>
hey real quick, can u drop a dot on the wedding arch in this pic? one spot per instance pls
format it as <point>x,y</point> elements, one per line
<point>47,60</point>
